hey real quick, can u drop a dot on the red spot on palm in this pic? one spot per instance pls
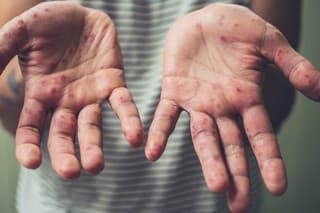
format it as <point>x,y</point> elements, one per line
<point>53,91</point>
<point>223,38</point>
<point>279,55</point>
<point>63,79</point>
<point>216,158</point>
<point>20,24</point>
<point>121,99</point>
<point>238,90</point>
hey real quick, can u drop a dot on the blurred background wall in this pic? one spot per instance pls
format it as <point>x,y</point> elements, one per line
<point>300,135</point>
<point>299,141</point>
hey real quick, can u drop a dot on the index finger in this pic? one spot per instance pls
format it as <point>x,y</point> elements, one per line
<point>13,36</point>
<point>123,105</point>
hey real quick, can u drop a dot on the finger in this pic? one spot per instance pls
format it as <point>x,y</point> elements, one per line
<point>264,144</point>
<point>61,143</point>
<point>122,103</point>
<point>28,133</point>
<point>235,155</point>
<point>13,37</point>
<point>299,71</point>
<point>90,139</point>
<point>163,123</point>
<point>206,142</point>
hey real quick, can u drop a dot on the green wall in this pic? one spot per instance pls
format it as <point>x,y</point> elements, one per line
<point>8,173</point>
<point>299,141</point>
<point>300,136</point>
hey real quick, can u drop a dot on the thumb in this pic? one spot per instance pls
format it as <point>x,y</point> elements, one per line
<point>298,70</point>
<point>13,38</point>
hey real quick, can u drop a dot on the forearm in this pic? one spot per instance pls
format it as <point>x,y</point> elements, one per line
<point>278,92</point>
<point>12,8</point>
<point>11,95</point>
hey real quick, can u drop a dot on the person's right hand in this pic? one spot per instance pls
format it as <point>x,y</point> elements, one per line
<point>71,63</point>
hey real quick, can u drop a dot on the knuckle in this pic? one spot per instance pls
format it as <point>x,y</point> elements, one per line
<point>261,136</point>
<point>202,126</point>
<point>121,93</point>
<point>234,149</point>
<point>65,122</point>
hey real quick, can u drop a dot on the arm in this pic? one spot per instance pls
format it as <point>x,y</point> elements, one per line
<point>278,93</point>
<point>11,87</point>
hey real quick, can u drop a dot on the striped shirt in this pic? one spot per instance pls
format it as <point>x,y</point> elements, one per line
<point>129,183</point>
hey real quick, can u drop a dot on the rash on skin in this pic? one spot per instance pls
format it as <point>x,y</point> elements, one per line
<point>63,79</point>
<point>223,39</point>
<point>35,15</point>
<point>236,25</point>
<point>28,111</point>
<point>279,55</point>
<point>53,91</point>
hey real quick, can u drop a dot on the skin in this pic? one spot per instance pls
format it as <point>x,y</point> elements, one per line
<point>213,69</point>
<point>55,67</point>
<point>11,80</point>
<point>277,91</point>
<point>225,152</point>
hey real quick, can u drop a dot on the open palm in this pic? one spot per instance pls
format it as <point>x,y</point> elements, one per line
<point>71,63</point>
<point>214,60</point>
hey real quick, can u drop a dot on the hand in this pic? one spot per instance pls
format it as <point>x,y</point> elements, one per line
<point>71,63</point>
<point>213,68</point>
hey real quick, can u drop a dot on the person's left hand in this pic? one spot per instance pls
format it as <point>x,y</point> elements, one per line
<point>213,63</point>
